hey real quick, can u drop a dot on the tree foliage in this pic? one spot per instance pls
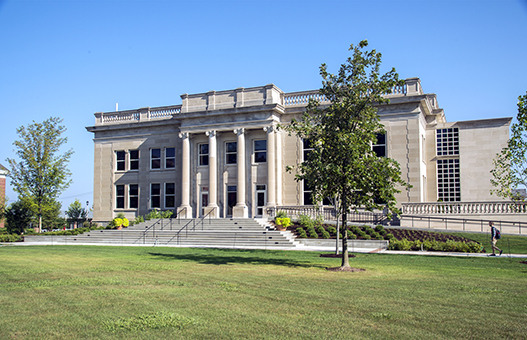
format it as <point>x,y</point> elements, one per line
<point>76,212</point>
<point>342,164</point>
<point>41,174</point>
<point>18,217</point>
<point>510,166</point>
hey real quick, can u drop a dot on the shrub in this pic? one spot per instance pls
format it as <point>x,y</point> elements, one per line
<point>366,237</point>
<point>379,228</point>
<point>139,219</point>
<point>285,222</point>
<point>403,244</point>
<point>389,236</point>
<point>281,214</point>
<point>351,236</point>
<point>10,238</point>
<point>312,233</point>
<point>301,232</point>
<point>305,220</point>
<point>332,230</point>
<point>325,234</point>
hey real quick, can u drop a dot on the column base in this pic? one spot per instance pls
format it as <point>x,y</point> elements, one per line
<point>185,211</point>
<point>215,211</point>
<point>240,211</point>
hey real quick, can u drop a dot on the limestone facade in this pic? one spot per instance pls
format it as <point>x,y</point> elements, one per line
<point>220,153</point>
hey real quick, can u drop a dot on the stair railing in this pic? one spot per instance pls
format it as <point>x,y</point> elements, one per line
<point>209,215</point>
<point>152,227</point>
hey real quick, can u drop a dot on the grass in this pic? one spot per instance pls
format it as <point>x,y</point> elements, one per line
<point>510,244</point>
<point>65,292</point>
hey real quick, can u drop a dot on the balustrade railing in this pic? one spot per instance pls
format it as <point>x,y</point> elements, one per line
<point>446,208</point>
<point>302,98</point>
<point>146,114</point>
<point>329,213</point>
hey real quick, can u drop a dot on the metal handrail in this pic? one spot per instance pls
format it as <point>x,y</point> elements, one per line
<point>178,214</point>
<point>482,223</point>
<point>148,229</point>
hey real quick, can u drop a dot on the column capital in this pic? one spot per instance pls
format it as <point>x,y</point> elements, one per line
<point>211,133</point>
<point>270,128</point>
<point>239,131</point>
<point>184,135</point>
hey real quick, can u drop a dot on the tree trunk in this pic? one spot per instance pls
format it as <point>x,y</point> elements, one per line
<point>345,260</point>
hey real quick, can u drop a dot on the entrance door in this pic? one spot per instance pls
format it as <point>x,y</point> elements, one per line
<point>204,199</point>
<point>260,199</point>
<point>231,199</point>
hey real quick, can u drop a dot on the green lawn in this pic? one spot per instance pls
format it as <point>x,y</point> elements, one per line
<point>66,292</point>
<point>513,244</point>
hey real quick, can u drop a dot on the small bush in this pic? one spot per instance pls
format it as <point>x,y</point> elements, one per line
<point>389,236</point>
<point>285,222</point>
<point>281,214</point>
<point>332,230</point>
<point>325,234</point>
<point>301,232</point>
<point>366,237</point>
<point>352,236</point>
<point>379,228</point>
<point>10,238</point>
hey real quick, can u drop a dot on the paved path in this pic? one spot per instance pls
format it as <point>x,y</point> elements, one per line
<point>311,248</point>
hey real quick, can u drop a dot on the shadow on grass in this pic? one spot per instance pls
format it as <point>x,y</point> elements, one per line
<point>217,256</point>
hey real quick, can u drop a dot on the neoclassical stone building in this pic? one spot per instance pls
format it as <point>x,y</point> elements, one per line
<point>220,153</point>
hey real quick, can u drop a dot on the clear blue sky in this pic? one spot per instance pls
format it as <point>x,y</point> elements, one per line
<point>73,58</point>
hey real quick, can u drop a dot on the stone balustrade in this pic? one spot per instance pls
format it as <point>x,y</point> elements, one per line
<point>131,116</point>
<point>214,100</point>
<point>465,208</point>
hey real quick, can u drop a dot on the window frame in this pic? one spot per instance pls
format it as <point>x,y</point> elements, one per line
<point>170,158</point>
<point>120,162</point>
<point>153,159</point>
<point>133,162</point>
<point>120,198</point>
<point>133,196</point>
<point>203,157</point>
<point>155,197</point>
<point>172,195</point>
<point>260,152</point>
<point>229,159</point>
<point>380,146</point>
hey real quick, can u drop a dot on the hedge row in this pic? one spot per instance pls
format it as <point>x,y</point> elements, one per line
<point>433,245</point>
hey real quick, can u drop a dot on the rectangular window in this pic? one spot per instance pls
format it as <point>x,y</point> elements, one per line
<point>447,142</point>
<point>121,159</point>
<point>380,146</point>
<point>308,200</point>
<point>203,150</point>
<point>155,158</point>
<point>448,180</point>
<point>119,196</point>
<point>231,151</point>
<point>134,159</point>
<point>170,158</point>
<point>170,195</point>
<point>260,151</point>
<point>306,145</point>
<point>155,195</point>
<point>133,196</point>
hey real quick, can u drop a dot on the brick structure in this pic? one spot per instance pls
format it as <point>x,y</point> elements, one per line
<point>3,173</point>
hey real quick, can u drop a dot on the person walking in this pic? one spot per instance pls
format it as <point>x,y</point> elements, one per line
<point>494,235</point>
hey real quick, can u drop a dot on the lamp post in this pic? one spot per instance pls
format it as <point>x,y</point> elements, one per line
<point>86,218</point>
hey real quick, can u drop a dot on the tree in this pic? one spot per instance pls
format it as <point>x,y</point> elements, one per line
<point>510,166</point>
<point>41,175</point>
<point>18,216</point>
<point>76,212</point>
<point>342,163</point>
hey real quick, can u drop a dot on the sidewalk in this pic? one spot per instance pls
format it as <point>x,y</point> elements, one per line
<point>304,248</point>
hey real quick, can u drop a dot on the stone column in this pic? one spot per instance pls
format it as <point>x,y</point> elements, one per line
<point>185,209</point>
<point>213,176</point>
<point>271,165</point>
<point>240,210</point>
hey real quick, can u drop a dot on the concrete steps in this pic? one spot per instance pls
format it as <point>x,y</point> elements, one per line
<point>224,233</point>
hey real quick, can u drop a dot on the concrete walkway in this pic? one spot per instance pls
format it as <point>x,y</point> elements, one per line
<point>301,248</point>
